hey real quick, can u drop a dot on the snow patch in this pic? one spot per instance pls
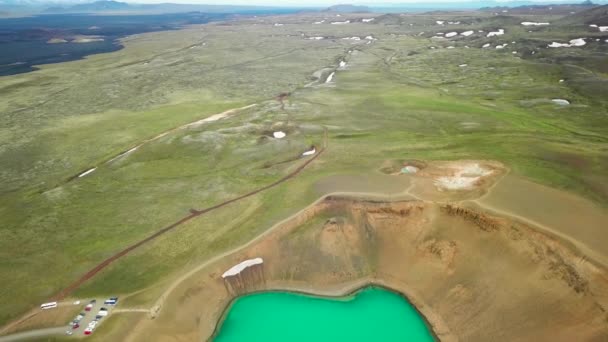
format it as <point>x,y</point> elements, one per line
<point>451,34</point>
<point>279,135</point>
<point>561,102</point>
<point>330,77</point>
<point>486,45</point>
<point>500,32</point>
<point>440,22</point>
<point>467,33</point>
<point>238,268</point>
<point>340,22</point>
<point>368,20</point>
<point>531,23</point>
<point>574,42</point>
<point>578,42</point>
<point>309,153</point>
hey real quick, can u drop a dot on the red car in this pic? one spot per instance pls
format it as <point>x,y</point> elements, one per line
<point>75,326</point>
<point>88,307</point>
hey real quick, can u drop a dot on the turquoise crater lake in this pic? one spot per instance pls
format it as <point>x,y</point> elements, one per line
<point>372,314</point>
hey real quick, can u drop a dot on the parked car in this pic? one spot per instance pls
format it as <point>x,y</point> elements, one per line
<point>88,307</point>
<point>69,332</point>
<point>93,301</point>
<point>88,331</point>
<point>98,317</point>
<point>76,326</point>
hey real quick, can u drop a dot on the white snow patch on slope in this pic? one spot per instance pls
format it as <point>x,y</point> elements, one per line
<point>574,42</point>
<point>531,23</point>
<point>238,268</point>
<point>577,42</point>
<point>561,102</point>
<point>500,32</point>
<point>309,153</point>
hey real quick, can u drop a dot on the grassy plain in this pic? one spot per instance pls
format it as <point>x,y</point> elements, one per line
<point>397,98</point>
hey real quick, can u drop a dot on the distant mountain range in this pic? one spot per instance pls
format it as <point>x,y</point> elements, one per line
<point>348,9</point>
<point>111,6</point>
<point>85,6</point>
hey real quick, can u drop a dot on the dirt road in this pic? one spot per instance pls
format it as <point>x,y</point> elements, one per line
<point>193,214</point>
<point>34,334</point>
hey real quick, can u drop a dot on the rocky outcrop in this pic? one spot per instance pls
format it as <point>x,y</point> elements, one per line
<point>245,276</point>
<point>480,220</point>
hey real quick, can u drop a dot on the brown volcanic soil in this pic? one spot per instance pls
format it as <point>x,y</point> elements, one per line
<point>475,277</point>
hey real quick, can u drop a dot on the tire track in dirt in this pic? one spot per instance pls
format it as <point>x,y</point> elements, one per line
<point>193,214</point>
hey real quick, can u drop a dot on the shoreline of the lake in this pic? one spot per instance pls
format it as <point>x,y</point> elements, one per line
<point>434,324</point>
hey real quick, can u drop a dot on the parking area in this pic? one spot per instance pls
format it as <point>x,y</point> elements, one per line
<point>94,313</point>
